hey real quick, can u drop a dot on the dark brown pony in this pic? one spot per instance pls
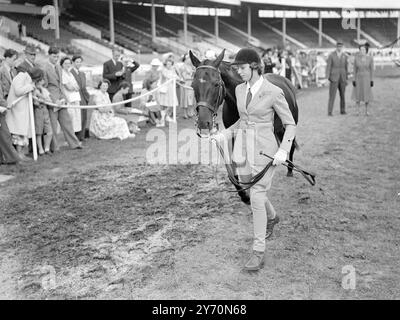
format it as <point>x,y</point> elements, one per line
<point>214,83</point>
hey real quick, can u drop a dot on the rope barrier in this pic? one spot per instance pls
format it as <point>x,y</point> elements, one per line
<point>102,105</point>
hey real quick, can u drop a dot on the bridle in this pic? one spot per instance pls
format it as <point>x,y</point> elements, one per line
<point>205,104</point>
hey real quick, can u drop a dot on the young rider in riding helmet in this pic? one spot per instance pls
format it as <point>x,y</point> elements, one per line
<point>257,101</point>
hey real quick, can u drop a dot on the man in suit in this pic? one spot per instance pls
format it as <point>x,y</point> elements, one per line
<point>7,70</point>
<point>30,57</point>
<point>336,73</point>
<point>257,101</point>
<point>130,66</point>
<point>113,71</point>
<point>80,78</point>
<point>53,82</point>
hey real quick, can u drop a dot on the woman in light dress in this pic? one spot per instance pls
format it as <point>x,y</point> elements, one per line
<point>168,98</point>
<point>187,71</point>
<point>71,91</point>
<point>104,124</point>
<point>17,117</point>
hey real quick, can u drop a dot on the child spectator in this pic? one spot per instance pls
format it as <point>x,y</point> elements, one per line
<point>152,105</point>
<point>42,118</point>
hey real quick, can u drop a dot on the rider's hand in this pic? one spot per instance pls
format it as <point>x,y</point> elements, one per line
<point>280,157</point>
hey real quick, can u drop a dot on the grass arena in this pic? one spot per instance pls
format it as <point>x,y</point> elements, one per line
<point>102,223</point>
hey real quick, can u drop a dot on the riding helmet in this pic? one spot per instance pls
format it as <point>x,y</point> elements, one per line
<point>247,55</point>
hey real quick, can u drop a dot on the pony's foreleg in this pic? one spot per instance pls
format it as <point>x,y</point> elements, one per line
<point>290,167</point>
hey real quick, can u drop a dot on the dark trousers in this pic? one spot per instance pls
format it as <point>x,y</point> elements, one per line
<point>333,86</point>
<point>62,116</point>
<point>83,133</point>
<point>8,154</point>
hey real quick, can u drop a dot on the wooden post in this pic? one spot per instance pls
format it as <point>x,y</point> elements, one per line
<point>56,19</point>
<point>320,30</point>
<point>249,23</point>
<point>185,23</point>
<point>284,29</point>
<point>216,27</point>
<point>175,102</point>
<point>153,21</point>
<point>358,28</point>
<point>111,14</point>
<point>398,28</point>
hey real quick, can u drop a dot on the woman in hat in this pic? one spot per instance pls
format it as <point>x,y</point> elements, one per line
<point>257,101</point>
<point>363,77</point>
<point>17,117</point>
<point>168,98</point>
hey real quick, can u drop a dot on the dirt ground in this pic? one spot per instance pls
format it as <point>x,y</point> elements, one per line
<point>102,224</point>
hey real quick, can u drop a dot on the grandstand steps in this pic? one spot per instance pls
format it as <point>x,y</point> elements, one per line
<point>383,30</point>
<point>209,37</point>
<point>289,38</point>
<point>205,25</point>
<point>127,31</point>
<point>252,40</point>
<point>370,39</point>
<point>147,23</point>
<point>334,29</point>
<point>324,35</point>
<point>6,43</point>
<point>300,32</point>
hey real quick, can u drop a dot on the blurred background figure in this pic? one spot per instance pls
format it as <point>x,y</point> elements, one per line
<point>168,97</point>
<point>187,95</point>
<point>71,92</point>
<point>363,77</point>
<point>267,60</point>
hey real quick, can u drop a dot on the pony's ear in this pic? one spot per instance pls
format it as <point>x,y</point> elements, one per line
<point>193,58</point>
<point>219,59</point>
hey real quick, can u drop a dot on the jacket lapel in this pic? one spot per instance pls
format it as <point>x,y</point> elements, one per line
<point>241,97</point>
<point>259,95</point>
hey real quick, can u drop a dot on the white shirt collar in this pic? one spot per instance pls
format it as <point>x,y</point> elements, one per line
<point>254,89</point>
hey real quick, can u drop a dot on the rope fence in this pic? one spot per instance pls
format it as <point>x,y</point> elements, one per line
<point>69,106</point>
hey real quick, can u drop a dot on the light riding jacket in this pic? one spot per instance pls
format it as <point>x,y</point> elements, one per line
<point>254,130</point>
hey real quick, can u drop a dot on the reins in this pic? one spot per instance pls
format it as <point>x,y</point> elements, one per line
<point>308,175</point>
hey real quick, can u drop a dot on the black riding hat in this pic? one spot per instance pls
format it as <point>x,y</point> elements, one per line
<point>247,55</point>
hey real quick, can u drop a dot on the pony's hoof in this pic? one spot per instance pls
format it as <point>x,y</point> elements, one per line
<point>289,174</point>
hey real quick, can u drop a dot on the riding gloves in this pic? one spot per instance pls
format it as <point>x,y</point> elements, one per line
<point>280,157</point>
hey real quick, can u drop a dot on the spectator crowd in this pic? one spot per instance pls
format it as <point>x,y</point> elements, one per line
<point>61,81</point>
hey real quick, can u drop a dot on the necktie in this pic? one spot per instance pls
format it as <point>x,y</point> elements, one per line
<point>248,98</point>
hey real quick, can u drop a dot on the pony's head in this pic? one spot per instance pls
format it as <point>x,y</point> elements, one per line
<point>209,91</point>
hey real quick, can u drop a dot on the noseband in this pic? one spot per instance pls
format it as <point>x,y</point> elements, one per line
<point>212,108</point>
